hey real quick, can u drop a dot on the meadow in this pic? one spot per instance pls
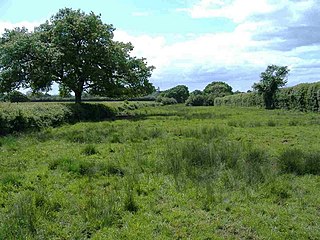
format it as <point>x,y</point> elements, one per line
<point>167,172</point>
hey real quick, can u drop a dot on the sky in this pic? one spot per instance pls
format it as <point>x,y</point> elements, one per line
<point>195,42</point>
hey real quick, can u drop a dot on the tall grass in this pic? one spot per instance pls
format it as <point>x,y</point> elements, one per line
<point>178,173</point>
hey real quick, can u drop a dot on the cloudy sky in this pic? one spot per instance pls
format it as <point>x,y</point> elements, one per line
<point>195,42</point>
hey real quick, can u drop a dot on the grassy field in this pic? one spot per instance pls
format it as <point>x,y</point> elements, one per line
<point>170,172</point>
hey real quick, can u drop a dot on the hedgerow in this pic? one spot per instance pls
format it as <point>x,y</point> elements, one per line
<point>241,100</point>
<point>22,117</point>
<point>302,97</point>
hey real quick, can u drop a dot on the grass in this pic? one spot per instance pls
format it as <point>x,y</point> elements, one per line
<point>172,172</point>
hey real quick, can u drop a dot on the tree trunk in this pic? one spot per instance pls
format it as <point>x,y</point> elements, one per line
<point>269,101</point>
<point>78,96</point>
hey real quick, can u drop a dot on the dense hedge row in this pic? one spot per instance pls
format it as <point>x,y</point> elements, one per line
<point>22,117</point>
<point>302,97</point>
<point>241,100</point>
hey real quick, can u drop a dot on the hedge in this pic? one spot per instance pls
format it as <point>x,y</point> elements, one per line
<point>302,97</point>
<point>241,100</point>
<point>22,117</point>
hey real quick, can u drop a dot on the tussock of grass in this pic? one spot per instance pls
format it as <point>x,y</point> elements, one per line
<point>299,162</point>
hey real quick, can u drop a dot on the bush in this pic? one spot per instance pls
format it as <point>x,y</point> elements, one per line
<point>196,100</point>
<point>90,112</point>
<point>166,100</point>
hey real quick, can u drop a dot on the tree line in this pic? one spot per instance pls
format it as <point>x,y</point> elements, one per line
<point>271,80</point>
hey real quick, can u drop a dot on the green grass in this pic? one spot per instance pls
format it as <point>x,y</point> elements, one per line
<point>171,172</point>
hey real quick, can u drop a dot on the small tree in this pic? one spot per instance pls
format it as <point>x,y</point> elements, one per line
<point>218,89</point>
<point>270,81</point>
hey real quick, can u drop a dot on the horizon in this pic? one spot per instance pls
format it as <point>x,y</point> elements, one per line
<point>196,42</point>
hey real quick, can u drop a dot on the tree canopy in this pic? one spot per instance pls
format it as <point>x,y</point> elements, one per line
<point>179,92</point>
<point>270,81</point>
<point>75,50</point>
<point>218,89</point>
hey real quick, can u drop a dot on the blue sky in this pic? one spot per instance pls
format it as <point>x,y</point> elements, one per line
<point>195,42</point>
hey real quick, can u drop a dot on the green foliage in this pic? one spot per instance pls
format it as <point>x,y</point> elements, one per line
<point>271,79</point>
<point>90,112</point>
<point>16,96</point>
<point>21,117</point>
<point>196,100</point>
<point>209,94</point>
<point>218,89</point>
<point>302,97</point>
<point>75,50</point>
<point>180,93</point>
<point>166,100</point>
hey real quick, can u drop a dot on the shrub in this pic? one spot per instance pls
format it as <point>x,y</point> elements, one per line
<point>196,100</point>
<point>166,100</point>
<point>90,112</point>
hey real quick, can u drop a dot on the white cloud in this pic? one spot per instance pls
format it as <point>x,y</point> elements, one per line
<point>241,10</point>
<point>9,25</point>
<point>237,10</point>
<point>264,35</point>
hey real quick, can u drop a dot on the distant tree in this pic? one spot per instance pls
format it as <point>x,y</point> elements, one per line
<point>75,50</point>
<point>270,81</point>
<point>37,95</point>
<point>180,93</point>
<point>196,100</point>
<point>16,96</point>
<point>196,92</point>
<point>218,89</point>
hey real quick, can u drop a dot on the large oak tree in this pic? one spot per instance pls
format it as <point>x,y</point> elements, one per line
<point>75,50</point>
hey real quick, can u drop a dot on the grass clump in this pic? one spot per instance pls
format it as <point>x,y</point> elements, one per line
<point>21,219</point>
<point>90,150</point>
<point>299,162</point>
